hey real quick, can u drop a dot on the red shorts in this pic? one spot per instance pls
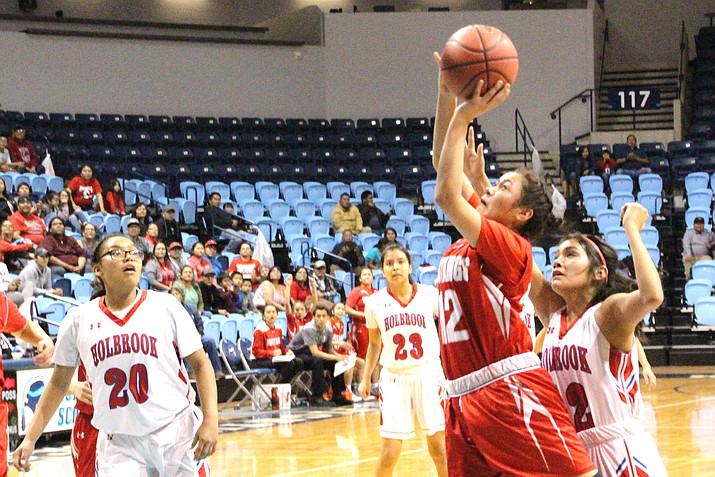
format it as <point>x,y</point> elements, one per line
<point>516,426</point>
<point>3,438</point>
<point>360,337</point>
<point>84,446</point>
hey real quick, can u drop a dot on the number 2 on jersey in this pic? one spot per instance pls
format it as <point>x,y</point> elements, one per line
<point>450,312</point>
<point>576,397</point>
<point>401,353</point>
<point>138,385</point>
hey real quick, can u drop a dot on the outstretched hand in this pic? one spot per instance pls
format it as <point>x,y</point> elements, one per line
<point>634,214</point>
<point>479,104</point>
<point>442,86</point>
<point>473,157</point>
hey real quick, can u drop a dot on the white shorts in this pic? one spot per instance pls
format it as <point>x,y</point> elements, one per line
<point>616,455</point>
<point>407,395</point>
<point>164,452</point>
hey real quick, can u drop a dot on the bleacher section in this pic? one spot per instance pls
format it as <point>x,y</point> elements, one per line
<point>170,150</point>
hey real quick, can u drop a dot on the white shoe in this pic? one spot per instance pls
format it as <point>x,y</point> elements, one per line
<point>350,396</point>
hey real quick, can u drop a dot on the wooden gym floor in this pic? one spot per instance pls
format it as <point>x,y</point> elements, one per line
<point>680,414</point>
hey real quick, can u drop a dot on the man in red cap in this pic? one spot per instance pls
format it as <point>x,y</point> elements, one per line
<point>175,259</point>
<point>211,251</point>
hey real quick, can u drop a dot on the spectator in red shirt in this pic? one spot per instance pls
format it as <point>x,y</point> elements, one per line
<point>85,188</point>
<point>303,288</point>
<point>66,254</point>
<point>12,249</point>
<point>268,343</point>
<point>198,262</point>
<point>27,225</point>
<point>22,154</point>
<point>113,198</point>
<point>246,264</point>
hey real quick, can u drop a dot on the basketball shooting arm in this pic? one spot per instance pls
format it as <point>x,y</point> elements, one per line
<point>449,192</point>
<point>50,400</point>
<point>204,443</point>
<point>620,313</point>
<point>371,357</point>
<point>446,104</point>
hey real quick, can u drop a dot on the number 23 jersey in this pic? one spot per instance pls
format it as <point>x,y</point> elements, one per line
<point>409,333</point>
<point>134,363</point>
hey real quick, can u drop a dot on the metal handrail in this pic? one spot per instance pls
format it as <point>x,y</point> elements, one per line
<point>603,55</point>
<point>684,54</point>
<point>521,131</point>
<point>585,95</point>
<point>311,250</point>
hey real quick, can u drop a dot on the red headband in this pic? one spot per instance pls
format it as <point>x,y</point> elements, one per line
<point>600,254</point>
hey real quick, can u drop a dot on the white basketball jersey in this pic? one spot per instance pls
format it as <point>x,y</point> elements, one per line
<point>409,333</point>
<point>134,363</point>
<point>598,383</point>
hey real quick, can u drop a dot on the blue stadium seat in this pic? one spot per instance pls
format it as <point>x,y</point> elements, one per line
<point>291,193</point>
<point>700,198</point>
<point>440,241</point>
<point>705,311</point>
<point>616,236</point>
<point>279,209</point>
<point>192,190</point>
<point>594,203</point>
<point>223,189</point>
<point>252,210</point>
<point>606,219</point>
<point>548,272</point>
<point>304,209</point>
<point>385,190</point>
<point>653,201</point>
<point>383,205</point>
<point>419,224</point>
<point>398,224</point>
<point>299,247</point>
<point>315,191</point>
<point>693,212</point>
<point>618,199</point>
<point>404,208</point>
<point>368,240</point>
<point>620,183</point>
<point>242,191</point>
<point>428,277</point>
<point>696,181</point>
<point>704,269</point>
<point>650,235</point>
<point>267,192</point>
<point>427,190</point>
<point>269,227</point>
<point>433,257</point>
<point>336,189</point>
<point>623,251</point>
<point>650,183</point>
<point>696,289</point>
<point>322,242</point>
<point>554,248</point>
<point>417,242</point>
<point>291,226</point>
<point>325,206</point>
<point>539,256</point>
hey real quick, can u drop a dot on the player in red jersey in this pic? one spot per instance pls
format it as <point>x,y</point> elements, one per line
<point>11,321</point>
<point>83,441</point>
<point>590,349</point>
<point>355,308</point>
<point>486,347</point>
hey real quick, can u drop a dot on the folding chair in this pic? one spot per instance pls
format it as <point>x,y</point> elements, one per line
<point>237,367</point>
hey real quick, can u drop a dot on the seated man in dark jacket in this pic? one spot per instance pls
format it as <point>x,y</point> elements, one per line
<point>221,224</point>
<point>169,230</point>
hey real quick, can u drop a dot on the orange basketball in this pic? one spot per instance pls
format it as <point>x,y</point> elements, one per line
<point>478,52</point>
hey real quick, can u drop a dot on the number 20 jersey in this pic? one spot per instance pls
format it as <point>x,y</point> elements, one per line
<point>409,333</point>
<point>480,294</point>
<point>598,382</point>
<point>134,364</point>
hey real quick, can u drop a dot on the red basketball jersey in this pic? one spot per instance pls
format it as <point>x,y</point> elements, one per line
<point>480,300</point>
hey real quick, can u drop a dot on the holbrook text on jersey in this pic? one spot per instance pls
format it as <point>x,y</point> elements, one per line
<point>123,344</point>
<point>405,319</point>
<point>559,358</point>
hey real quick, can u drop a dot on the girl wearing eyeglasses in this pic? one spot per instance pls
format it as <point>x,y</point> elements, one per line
<point>132,343</point>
